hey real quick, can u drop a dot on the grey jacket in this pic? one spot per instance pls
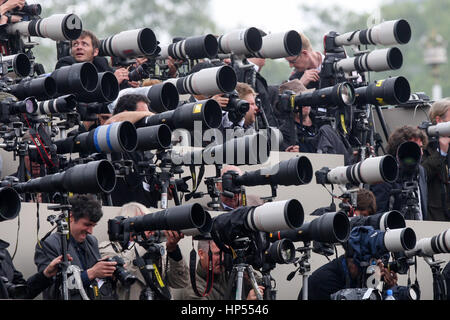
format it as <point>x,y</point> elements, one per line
<point>177,272</point>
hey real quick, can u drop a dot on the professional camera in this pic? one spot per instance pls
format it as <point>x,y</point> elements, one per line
<point>115,137</point>
<point>366,243</point>
<point>331,227</point>
<point>236,108</point>
<point>13,291</point>
<point>280,252</point>
<point>371,171</point>
<point>40,88</point>
<point>386,33</point>
<point>10,107</point>
<point>92,177</point>
<point>280,45</point>
<point>154,137</point>
<point>207,111</point>
<point>207,82</point>
<point>380,221</point>
<point>56,27</point>
<point>16,65</point>
<point>163,96</point>
<point>177,218</point>
<point>193,48</point>
<point>125,278</point>
<point>9,203</point>
<point>342,95</point>
<point>107,89</point>
<point>34,9</point>
<point>427,247</point>
<point>129,44</point>
<point>241,42</point>
<point>391,91</point>
<point>79,78</point>
<point>269,217</point>
<point>295,171</point>
<point>142,71</point>
<point>436,130</point>
<point>245,228</point>
<point>248,149</point>
<point>63,104</point>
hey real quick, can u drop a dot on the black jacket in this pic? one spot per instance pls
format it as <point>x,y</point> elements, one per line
<point>33,286</point>
<point>436,167</point>
<point>328,279</point>
<point>384,196</point>
<point>298,75</point>
<point>259,84</point>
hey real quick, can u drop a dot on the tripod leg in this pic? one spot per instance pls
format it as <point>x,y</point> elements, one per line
<point>230,284</point>
<point>253,282</point>
<point>239,282</point>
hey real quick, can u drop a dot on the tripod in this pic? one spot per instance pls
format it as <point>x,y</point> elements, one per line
<point>236,279</point>
<point>155,288</point>
<point>304,268</point>
<point>439,284</point>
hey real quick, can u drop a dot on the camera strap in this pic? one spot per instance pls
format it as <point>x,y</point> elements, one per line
<point>209,275</point>
<point>160,290</point>
<point>195,180</point>
<point>41,140</point>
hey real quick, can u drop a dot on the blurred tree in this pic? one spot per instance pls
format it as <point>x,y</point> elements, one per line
<point>275,71</point>
<point>424,16</point>
<point>166,18</point>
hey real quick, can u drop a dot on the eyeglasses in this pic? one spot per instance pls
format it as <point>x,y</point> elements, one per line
<point>293,61</point>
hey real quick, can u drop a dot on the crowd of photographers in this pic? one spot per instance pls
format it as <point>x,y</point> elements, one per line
<point>134,264</point>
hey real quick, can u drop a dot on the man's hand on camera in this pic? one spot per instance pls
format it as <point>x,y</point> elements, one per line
<point>12,4</point>
<point>121,74</point>
<point>222,101</point>
<point>310,75</point>
<point>102,269</point>
<point>173,237</point>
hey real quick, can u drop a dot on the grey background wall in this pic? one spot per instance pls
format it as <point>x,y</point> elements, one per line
<point>22,232</point>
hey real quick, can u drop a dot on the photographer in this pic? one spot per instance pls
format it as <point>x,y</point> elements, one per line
<point>389,195</point>
<point>307,65</point>
<point>177,270</point>
<point>301,133</point>
<point>6,7</point>
<point>84,215</point>
<point>130,107</point>
<point>219,281</point>
<point>132,187</point>
<point>252,77</point>
<point>12,283</point>
<point>246,93</point>
<point>436,163</point>
<point>342,273</point>
<point>85,49</point>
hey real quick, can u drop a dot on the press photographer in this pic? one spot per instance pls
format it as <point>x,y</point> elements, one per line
<point>93,272</point>
<point>362,267</point>
<point>12,283</point>
<point>174,266</point>
<point>409,193</point>
<point>436,163</point>
<point>86,49</point>
<point>307,64</point>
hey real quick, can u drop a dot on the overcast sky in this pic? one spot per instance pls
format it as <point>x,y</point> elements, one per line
<point>274,15</point>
